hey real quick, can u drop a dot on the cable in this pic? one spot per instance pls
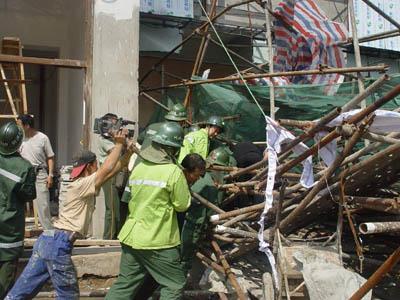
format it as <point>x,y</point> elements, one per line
<point>230,58</point>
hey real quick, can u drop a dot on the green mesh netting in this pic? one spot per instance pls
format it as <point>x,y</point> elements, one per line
<point>298,102</point>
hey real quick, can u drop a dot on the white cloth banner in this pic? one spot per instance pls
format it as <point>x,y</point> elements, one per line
<point>276,135</point>
<point>385,121</point>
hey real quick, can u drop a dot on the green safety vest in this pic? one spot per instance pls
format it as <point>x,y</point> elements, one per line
<point>158,191</point>
<point>17,186</point>
<point>195,142</point>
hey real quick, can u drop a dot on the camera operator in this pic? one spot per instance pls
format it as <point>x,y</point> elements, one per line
<point>51,257</point>
<point>112,223</point>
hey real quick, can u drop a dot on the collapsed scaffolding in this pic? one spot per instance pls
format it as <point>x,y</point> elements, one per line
<point>350,185</point>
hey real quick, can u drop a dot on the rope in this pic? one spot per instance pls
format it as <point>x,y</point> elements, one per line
<point>230,58</point>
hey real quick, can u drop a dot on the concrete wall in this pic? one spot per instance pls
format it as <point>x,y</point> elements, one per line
<point>55,25</point>
<point>115,70</point>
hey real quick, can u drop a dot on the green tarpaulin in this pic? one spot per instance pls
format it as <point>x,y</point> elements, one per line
<point>299,102</point>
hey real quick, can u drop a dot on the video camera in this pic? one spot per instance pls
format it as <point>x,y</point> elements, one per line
<point>103,126</point>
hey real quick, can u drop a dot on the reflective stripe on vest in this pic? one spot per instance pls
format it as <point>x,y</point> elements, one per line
<point>11,245</point>
<point>10,176</point>
<point>160,184</point>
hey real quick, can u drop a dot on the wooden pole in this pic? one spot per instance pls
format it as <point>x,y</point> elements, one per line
<point>8,91</point>
<point>328,173</point>
<point>379,68</point>
<point>200,54</point>
<point>356,46</point>
<point>231,276</point>
<point>270,58</point>
<point>62,63</point>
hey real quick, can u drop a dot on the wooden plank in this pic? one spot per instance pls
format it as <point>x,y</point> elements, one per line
<point>23,89</point>
<point>8,116</point>
<point>29,242</point>
<point>15,81</point>
<point>56,62</point>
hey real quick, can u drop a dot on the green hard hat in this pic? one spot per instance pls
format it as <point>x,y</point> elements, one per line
<point>219,156</point>
<point>169,134</point>
<point>11,136</point>
<point>193,128</point>
<point>216,121</point>
<point>177,113</point>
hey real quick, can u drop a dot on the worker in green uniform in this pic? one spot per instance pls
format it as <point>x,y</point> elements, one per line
<point>176,114</point>
<point>17,186</point>
<point>197,216</point>
<point>199,141</point>
<point>150,236</point>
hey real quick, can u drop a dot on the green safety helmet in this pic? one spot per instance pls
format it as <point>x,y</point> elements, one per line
<point>169,134</point>
<point>177,113</point>
<point>193,128</point>
<point>216,121</point>
<point>219,156</point>
<point>11,136</point>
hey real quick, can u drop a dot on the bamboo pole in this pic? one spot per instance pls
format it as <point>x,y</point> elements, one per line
<point>387,205</point>
<point>210,263</point>
<point>379,68</point>
<point>207,203</point>
<point>334,134</point>
<point>245,170</point>
<point>330,116</point>
<point>380,138</point>
<point>236,212</point>
<point>328,173</point>
<point>270,57</point>
<point>237,232</point>
<point>239,218</point>
<point>231,276</point>
<point>147,96</point>
<point>356,46</point>
<point>200,55</point>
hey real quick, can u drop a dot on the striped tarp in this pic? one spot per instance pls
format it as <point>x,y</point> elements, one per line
<point>306,38</point>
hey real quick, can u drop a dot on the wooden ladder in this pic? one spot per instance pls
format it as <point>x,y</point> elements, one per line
<point>12,76</point>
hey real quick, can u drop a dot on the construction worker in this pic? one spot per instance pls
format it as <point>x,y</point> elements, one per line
<point>197,216</point>
<point>112,222</point>
<point>17,186</point>
<point>199,141</point>
<point>176,114</point>
<point>150,236</point>
<point>51,256</point>
<point>36,148</point>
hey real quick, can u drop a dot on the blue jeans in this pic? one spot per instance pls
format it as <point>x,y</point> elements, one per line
<point>51,258</point>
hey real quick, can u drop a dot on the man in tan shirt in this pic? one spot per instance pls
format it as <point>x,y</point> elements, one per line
<point>51,256</point>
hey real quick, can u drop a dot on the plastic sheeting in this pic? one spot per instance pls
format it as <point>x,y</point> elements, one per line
<point>298,102</point>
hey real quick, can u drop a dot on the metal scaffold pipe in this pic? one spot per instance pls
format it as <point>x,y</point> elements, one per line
<point>379,227</point>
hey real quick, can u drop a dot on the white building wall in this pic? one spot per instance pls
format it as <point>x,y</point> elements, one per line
<point>115,70</point>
